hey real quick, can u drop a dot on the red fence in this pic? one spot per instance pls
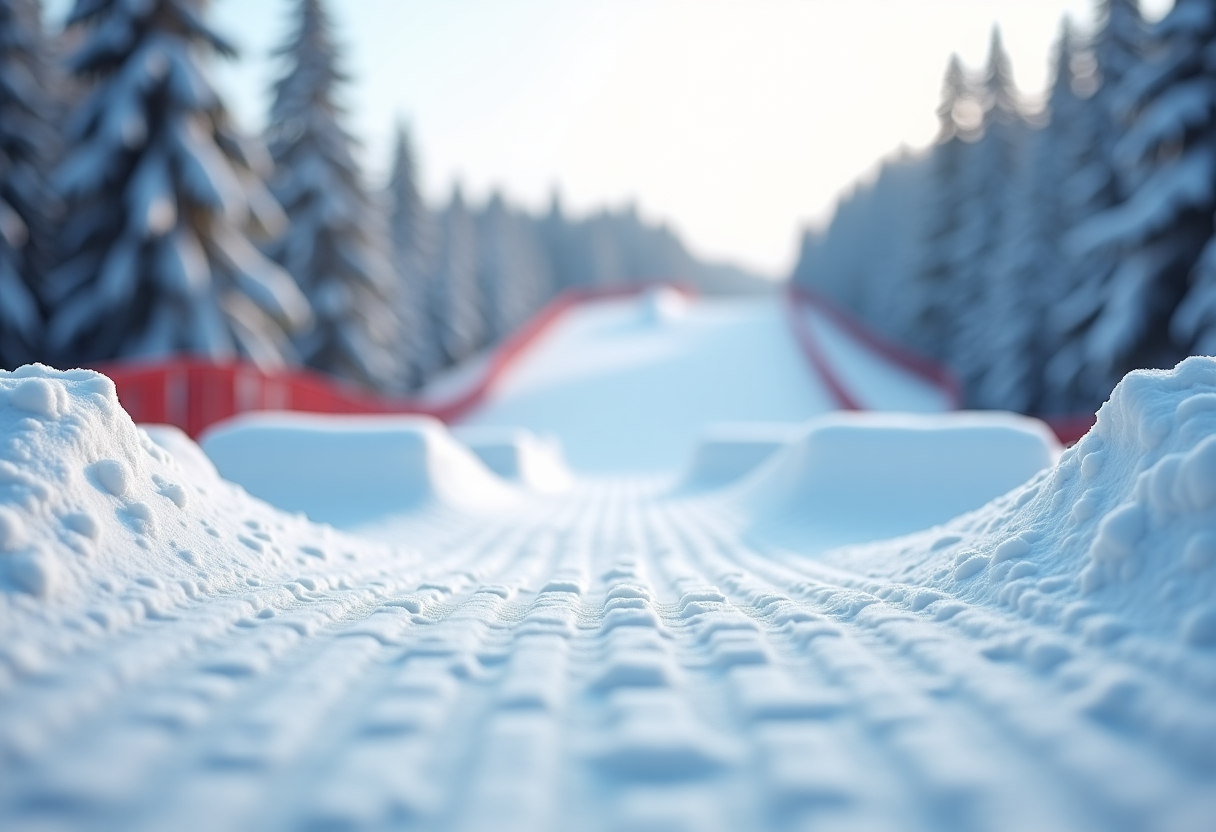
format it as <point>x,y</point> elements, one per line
<point>195,394</point>
<point>1067,428</point>
<point>801,298</point>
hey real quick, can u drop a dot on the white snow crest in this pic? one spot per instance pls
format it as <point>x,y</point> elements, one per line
<point>1151,530</point>
<point>69,460</point>
<point>1118,538</point>
<point>93,509</point>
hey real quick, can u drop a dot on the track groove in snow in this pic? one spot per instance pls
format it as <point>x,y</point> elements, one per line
<point>607,659</point>
<point>175,654</point>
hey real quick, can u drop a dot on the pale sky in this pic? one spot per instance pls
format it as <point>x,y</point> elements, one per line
<point>736,121</point>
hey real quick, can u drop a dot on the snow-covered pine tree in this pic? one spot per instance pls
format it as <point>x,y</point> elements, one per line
<point>409,226</point>
<point>1027,275</point>
<point>877,283</point>
<point>1091,185</point>
<point>28,136</point>
<point>513,271</point>
<point>929,293</point>
<point>1117,49</point>
<point>1168,160</point>
<point>1187,97</point>
<point>498,268</point>
<point>560,247</point>
<point>456,305</point>
<point>162,191</point>
<point>987,184</point>
<point>330,247</point>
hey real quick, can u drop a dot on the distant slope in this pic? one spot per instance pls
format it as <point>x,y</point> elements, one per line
<point>627,385</point>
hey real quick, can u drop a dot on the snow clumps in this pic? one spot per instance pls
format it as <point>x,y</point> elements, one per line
<point>90,503</point>
<point>1147,474</point>
<point>1118,538</point>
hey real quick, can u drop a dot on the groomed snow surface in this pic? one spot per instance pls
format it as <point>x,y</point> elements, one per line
<point>482,640</point>
<point>626,385</point>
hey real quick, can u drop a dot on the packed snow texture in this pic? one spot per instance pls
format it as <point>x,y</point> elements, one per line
<point>351,470</point>
<point>725,452</point>
<point>852,477</point>
<point>520,456</point>
<point>113,524</point>
<point>175,654</point>
<point>626,385</point>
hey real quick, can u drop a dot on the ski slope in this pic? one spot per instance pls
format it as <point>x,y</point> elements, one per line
<point>457,649</point>
<point>628,384</point>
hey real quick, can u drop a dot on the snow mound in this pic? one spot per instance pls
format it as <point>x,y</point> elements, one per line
<point>520,456</point>
<point>90,506</point>
<point>662,305</point>
<point>854,477</point>
<point>183,449</point>
<point>1125,523</point>
<point>728,451</point>
<point>352,470</point>
<point>1112,550</point>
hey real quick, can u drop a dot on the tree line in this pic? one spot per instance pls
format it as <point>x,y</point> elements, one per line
<point>138,221</point>
<point>1043,252</point>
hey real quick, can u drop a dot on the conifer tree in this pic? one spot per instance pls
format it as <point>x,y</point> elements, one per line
<point>331,247</point>
<point>560,249</point>
<point>27,140</point>
<point>1026,278</point>
<point>456,305</point>
<point>162,191</point>
<point>988,176</point>
<point>408,232</point>
<point>930,299</point>
<point>1187,93</point>
<point>1092,184</point>
<point>1158,232</point>
<point>513,272</point>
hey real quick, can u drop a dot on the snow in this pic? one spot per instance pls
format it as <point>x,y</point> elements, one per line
<point>89,501</point>
<point>352,470</point>
<point>176,653</point>
<point>627,384</point>
<point>518,455</point>
<point>872,379</point>
<point>725,452</point>
<point>853,477</point>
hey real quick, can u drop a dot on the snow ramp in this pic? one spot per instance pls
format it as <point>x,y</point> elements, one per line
<point>628,383</point>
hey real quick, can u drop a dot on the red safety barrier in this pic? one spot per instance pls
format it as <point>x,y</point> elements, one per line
<point>801,298</point>
<point>1068,429</point>
<point>195,393</point>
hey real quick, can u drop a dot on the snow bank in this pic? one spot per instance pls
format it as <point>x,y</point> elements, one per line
<point>1113,550</point>
<point>93,510</point>
<point>352,470</point>
<point>518,455</point>
<point>1125,523</point>
<point>853,477</point>
<point>726,452</point>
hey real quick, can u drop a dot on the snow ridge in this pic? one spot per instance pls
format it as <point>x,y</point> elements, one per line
<point>1110,557</point>
<point>103,526</point>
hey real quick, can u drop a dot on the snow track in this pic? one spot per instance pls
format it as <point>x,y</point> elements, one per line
<point>605,660</point>
<point>175,654</point>
<point>627,383</point>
